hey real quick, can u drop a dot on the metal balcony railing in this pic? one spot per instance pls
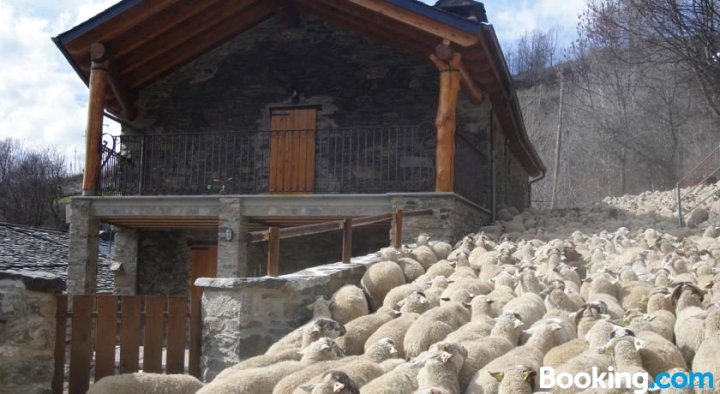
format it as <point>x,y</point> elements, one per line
<point>346,160</point>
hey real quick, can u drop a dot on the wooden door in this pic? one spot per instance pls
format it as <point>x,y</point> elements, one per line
<point>204,265</point>
<point>292,150</point>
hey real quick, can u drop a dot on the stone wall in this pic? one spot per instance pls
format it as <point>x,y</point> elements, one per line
<point>27,331</point>
<point>164,263</point>
<point>242,317</point>
<point>453,216</point>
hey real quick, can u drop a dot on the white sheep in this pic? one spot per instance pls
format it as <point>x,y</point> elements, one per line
<point>443,371</point>
<point>434,325</point>
<point>287,383</point>
<point>303,336</point>
<point>394,329</point>
<point>379,279</point>
<point>333,382</point>
<point>360,329</point>
<point>140,382</point>
<point>706,357</point>
<point>262,380</point>
<point>517,379</point>
<point>348,303</point>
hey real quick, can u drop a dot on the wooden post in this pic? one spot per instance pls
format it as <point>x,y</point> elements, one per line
<point>398,217</point>
<point>347,241</point>
<point>273,261</point>
<point>60,336</point>
<point>96,106</point>
<point>448,63</point>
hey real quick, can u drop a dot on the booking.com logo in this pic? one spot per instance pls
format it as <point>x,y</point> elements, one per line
<point>638,382</point>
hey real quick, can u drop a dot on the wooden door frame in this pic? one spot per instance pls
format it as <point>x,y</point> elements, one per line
<point>283,176</point>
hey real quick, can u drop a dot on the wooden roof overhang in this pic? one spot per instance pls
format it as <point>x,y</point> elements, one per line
<point>146,40</point>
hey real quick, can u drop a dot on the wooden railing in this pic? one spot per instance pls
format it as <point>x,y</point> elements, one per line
<point>273,235</point>
<point>100,322</point>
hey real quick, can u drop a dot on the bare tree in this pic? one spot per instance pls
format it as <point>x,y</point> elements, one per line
<point>30,184</point>
<point>676,31</point>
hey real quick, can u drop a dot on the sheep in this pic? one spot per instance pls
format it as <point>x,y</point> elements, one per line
<point>688,325</point>
<point>625,351</point>
<point>422,253</point>
<point>411,268</point>
<point>366,367</point>
<point>140,382</point>
<point>416,302</point>
<point>397,294</point>
<point>394,329</point>
<point>500,296</point>
<point>517,379</point>
<point>531,354</point>
<point>360,329</point>
<point>333,382</point>
<point>529,306</point>
<point>502,338</point>
<point>441,268</point>
<point>294,339</point>
<point>400,380</point>
<point>706,357</point>
<point>379,279</point>
<point>263,380</point>
<point>303,336</point>
<point>434,325</point>
<point>598,336</point>
<point>659,354</point>
<point>443,372</point>
<point>348,303</point>
<point>442,249</point>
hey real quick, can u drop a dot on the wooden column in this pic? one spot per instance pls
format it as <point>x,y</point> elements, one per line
<point>448,63</point>
<point>96,106</point>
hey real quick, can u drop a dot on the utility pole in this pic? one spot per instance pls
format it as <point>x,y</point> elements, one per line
<point>558,141</point>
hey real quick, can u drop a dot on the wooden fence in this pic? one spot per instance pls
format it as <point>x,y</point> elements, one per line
<point>273,235</point>
<point>151,326</point>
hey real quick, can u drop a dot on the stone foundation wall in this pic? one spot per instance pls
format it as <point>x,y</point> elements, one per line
<point>27,331</point>
<point>242,317</point>
<point>163,263</point>
<point>453,216</point>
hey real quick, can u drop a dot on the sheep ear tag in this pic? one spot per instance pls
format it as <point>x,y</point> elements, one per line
<point>325,347</point>
<point>497,375</point>
<point>517,323</point>
<point>527,375</point>
<point>337,387</point>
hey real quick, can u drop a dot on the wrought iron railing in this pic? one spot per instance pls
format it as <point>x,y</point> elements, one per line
<point>347,160</point>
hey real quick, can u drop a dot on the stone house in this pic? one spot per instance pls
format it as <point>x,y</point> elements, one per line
<point>239,115</point>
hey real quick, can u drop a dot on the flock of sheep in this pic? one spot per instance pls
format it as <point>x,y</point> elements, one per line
<point>482,316</point>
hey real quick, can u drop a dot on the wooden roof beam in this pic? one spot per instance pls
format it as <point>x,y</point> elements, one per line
<point>128,19</point>
<point>425,24</point>
<point>185,31</point>
<point>196,45</point>
<point>123,96</point>
<point>382,32</point>
<point>161,22</point>
<point>287,11</point>
<point>444,53</point>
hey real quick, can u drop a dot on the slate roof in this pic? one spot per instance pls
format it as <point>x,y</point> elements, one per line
<point>24,248</point>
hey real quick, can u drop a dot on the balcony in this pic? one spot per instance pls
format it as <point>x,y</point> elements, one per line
<point>345,160</point>
<point>382,159</point>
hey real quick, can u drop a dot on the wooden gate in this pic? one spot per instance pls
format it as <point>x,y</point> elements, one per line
<point>150,332</point>
<point>292,150</point>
